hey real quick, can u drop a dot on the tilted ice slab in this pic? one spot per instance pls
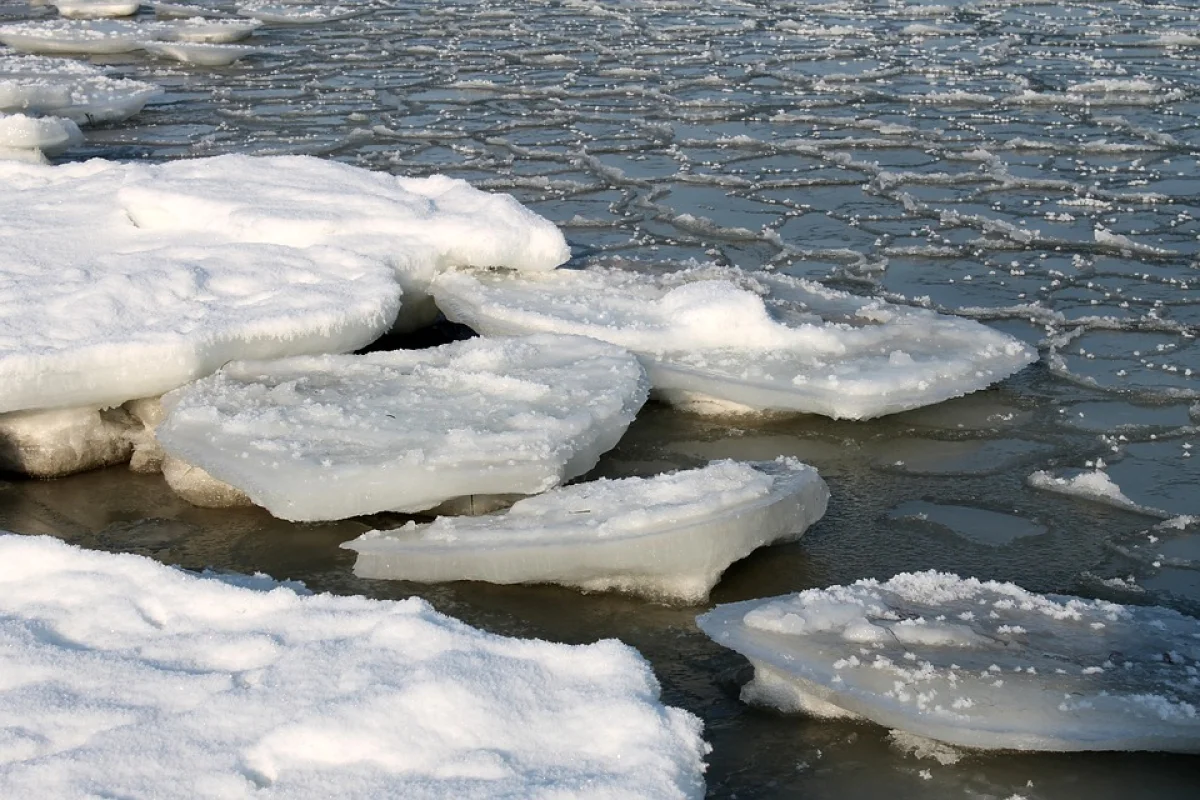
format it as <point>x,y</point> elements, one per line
<point>124,281</point>
<point>419,226</point>
<point>61,87</point>
<point>977,664</point>
<point>759,341</point>
<point>668,537</point>
<point>338,436</point>
<point>126,678</point>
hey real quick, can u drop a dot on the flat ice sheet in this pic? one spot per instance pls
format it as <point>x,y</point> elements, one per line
<point>61,87</point>
<point>120,677</point>
<point>338,436</point>
<point>760,341</point>
<point>127,280</point>
<point>668,537</point>
<point>977,664</point>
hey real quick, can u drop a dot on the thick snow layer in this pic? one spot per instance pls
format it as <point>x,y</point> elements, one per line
<point>49,134</point>
<point>120,677</point>
<point>760,341</point>
<point>128,280</point>
<point>61,87</point>
<point>977,664</point>
<point>669,537</point>
<point>338,436</point>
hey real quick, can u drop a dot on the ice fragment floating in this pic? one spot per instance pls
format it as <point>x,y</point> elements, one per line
<point>667,538</point>
<point>748,341</point>
<point>973,663</point>
<point>337,436</point>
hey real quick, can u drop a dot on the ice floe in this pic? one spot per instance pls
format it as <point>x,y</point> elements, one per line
<point>127,280</point>
<point>330,437</point>
<point>49,444</point>
<point>667,538</point>
<point>201,53</point>
<point>1092,484</point>
<point>977,664</point>
<point>96,9</point>
<point>724,338</point>
<point>60,87</point>
<point>124,677</point>
<point>109,36</point>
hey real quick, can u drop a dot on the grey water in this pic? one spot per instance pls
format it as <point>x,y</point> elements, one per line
<point>1031,165</point>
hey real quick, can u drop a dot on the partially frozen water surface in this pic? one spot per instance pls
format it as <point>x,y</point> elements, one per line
<point>1030,165</point>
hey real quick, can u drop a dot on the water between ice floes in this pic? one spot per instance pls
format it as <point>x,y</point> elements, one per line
<point>1031,165</point>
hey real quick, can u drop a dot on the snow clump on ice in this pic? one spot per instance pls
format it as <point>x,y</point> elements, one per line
<point>668,537</point>
<point>973,663</point>
<point>124,677</point>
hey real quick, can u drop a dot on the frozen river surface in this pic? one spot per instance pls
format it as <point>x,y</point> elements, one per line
<point>1033,166</point>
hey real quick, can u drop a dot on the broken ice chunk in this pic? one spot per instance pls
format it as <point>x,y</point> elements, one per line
<point>723,339</point>
<point>667,538</point>
<point>60,87</point>
<point>49,444</point>
<point>976,664</point>
<point>329,437</point>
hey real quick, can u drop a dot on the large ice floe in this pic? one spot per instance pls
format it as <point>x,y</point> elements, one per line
<point>330,437</point>
<point>667,538</point>
<point>60,87</point>
<point>123,281</point>
<point>977,664</point>
<point>721,339</point>
<point>126,678</point>
<point>110,36</point>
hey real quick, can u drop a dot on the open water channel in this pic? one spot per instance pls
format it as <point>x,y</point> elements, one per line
<point>1032,165</point>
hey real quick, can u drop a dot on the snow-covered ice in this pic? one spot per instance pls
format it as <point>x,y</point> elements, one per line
<point>90,37</point>
<point>723,337</point>
<point>667,538</point>
<point>201,53</point>
<point>96,9</point>
<point>1094,484</point>
<point>127,280</point>
<point>123,677</point>
<point>294,13</point>
<point>329,437</point>
<point>48,135</point>
<point>977,664</point>
<point>60,87</point>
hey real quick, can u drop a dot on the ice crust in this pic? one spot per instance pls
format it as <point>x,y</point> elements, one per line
<point>60,87</point>
<point>120,677</point>
<point>667,538</point>
<point>755,341</point>
<point>328,437</point>
<point>976,664</point>
<point>127,280</point>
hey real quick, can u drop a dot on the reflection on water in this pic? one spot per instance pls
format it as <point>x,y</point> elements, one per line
<point>1032,165</point>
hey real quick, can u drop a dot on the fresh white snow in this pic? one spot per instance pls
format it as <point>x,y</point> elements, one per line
<point>668,537</point>
<point>977,664</point>
<point>753,341</point>
<point>121,677</point>
<point>328,437</point>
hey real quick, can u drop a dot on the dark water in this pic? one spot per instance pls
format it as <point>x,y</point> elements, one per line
<point>1031,165</point>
